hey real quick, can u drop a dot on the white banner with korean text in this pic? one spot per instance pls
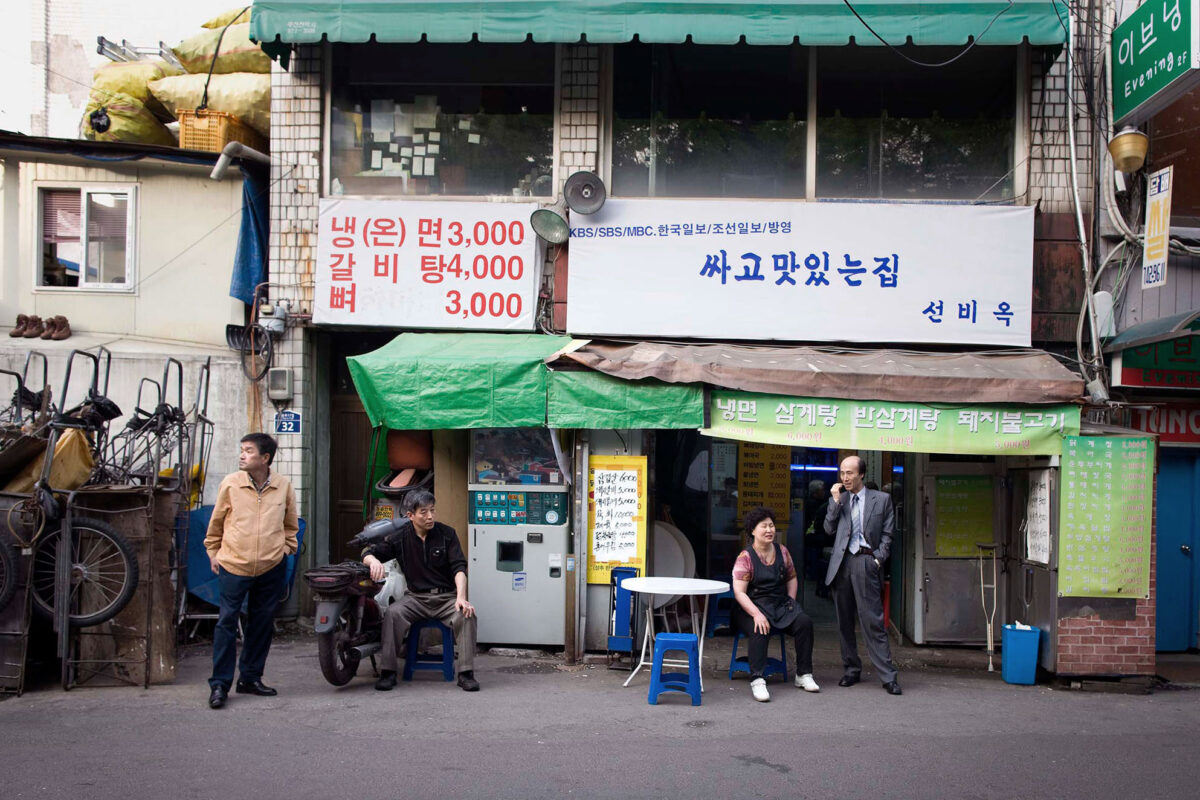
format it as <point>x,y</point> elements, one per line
<point>413,264</point>
<point>827,271</point>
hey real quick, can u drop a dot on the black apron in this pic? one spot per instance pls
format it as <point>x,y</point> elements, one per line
<point>768,590</point>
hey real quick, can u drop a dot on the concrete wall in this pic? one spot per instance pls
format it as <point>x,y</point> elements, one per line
<point>186,236</point>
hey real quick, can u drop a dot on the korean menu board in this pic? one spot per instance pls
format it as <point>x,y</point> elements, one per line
<point>616,515</point>
<point>765,479</point>
<point>1105,516</point>
<point>963,511</point>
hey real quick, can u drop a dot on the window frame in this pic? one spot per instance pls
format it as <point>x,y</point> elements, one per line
<point>87,189</point>
<point>556,172</point>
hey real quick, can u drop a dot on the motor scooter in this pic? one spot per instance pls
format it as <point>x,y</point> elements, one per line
<point>348,619</point>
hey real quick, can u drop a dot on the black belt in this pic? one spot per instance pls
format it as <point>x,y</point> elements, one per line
<point>863,550</point>
<point>433,591</point>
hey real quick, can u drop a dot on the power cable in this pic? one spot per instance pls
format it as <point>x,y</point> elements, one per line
<point>974,39</point>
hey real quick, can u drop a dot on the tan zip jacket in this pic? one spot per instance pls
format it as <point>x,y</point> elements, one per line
<point>250,532</point>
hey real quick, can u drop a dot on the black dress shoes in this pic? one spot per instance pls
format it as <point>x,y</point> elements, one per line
<point>467,682</point>
<point>255,687</point>
<point>218,697</point>
<point>848,680</point>
<point>387,680</point>
<point>892,688</point>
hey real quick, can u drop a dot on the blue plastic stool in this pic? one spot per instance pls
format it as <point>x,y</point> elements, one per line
<point>719,608</point>
<point>689,682</point>
<point>775,666</point>
<point>413,660</point>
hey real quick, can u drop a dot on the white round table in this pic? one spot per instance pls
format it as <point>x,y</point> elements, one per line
<point>692,588</point>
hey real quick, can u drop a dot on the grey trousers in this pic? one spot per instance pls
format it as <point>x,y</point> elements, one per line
<point>414,606</point>
<point>858,592</point>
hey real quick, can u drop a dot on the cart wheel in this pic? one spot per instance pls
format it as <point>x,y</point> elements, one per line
<point>103,574</point>
<point>8,573</point>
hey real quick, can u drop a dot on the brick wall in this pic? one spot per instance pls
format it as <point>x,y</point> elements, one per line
<point>295,191</point>
<point>1094,646</point>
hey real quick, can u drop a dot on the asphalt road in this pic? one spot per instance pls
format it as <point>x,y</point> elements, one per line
<point>539,730</point>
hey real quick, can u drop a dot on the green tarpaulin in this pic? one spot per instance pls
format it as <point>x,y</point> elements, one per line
<point>433,381</point>
<point>811,22</point>
<point>596,400</point>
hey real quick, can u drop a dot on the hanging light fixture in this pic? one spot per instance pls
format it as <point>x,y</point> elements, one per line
<point>1128,149</point>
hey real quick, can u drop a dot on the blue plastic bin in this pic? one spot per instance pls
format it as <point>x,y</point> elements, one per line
<point>1019,656</point>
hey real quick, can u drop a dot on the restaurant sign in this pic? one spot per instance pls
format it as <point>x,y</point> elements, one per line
<point>413,264</point>
<point>829,271</point>
<point>896,427</point>
<point>1155,58</point>
<point>1173,364</point>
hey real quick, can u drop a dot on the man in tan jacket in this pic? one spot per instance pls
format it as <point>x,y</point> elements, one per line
<point>253,527</point>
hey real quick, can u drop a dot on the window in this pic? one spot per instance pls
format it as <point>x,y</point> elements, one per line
<point>709,121</point>
<point>887,128</point>
<point>86,238</point>
<point>445,119</point>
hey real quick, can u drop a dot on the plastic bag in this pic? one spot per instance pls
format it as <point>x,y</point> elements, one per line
<point>132,78</point>
<point>221,20</point>
<point>118,117</point>
<point>72,465</point>
<point>238,53</point>
<point>246,95</point>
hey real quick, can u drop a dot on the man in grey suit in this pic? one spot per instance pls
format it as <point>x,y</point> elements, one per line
<point>862,521</point>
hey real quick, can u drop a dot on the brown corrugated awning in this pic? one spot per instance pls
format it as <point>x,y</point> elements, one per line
<point>1024,376</point>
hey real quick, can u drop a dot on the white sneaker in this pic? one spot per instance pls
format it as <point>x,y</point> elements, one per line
<point>807,683</point>
<point>758,688</point>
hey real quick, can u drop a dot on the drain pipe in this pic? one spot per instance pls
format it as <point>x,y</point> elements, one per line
<point>236,150</point>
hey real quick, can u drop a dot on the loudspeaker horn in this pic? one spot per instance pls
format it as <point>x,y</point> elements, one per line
<point>551,223</point>
<point>584,192</point>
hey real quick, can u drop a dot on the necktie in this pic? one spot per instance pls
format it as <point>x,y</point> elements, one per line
<point>855,523</point>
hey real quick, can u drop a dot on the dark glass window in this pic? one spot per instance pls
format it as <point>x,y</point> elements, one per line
<point>442,119</point>
<point>709,121</point>
<point>888,128</point>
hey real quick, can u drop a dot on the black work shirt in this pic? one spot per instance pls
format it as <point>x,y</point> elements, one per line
<point>427,565</point>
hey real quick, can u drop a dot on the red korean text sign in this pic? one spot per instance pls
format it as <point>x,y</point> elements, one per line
<point>440,265</point>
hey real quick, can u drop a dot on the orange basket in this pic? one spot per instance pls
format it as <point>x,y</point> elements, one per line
<point>212,130</point>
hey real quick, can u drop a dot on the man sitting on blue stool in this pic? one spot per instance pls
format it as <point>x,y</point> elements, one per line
<point>435,571</point>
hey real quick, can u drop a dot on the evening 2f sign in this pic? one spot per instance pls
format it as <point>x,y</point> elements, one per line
<point>413,264</point>
<point>803,271</point>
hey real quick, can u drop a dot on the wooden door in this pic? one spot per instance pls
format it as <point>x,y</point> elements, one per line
<point>349,453</point>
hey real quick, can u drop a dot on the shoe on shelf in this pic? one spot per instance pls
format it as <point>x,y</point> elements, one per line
<point>387,680</point>
<point>892,688</point>
<point>34,327</point>
<point>19,330</point>
<point>218,696</point>
<point>255,687</point>
<point>807,683</point>
<point>467,682</point>
<point>848,680</point>
<point>51,327</point>
<point>62,329</point>
<point>758,688</point>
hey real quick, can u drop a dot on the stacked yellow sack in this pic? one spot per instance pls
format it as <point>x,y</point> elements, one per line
<point>237,53</point>
<point>119,117</point>
<point>132,78</point>
<point>246,95</point>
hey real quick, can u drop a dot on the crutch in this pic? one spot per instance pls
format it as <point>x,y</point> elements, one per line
<point>989,613</point>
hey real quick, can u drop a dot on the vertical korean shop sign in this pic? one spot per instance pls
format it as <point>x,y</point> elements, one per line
<point>415,264</point>
<point>1105,515</point>
<point>1158,228</point>
<point>1155,58</point>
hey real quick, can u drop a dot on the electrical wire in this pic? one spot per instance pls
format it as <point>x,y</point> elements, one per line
<point>934,65</point>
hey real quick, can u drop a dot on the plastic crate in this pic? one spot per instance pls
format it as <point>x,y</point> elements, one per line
<point>212,130</point>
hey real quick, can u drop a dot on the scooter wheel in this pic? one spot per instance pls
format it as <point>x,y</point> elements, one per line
<point>338,665</point>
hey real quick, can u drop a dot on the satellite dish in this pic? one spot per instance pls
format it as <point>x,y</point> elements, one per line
<point>584,192</point>
<point>551,223</point>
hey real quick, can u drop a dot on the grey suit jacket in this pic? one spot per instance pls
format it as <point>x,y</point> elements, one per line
<point>879,523</point>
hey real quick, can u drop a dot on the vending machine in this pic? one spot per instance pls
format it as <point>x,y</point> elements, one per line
<point>518,536</point>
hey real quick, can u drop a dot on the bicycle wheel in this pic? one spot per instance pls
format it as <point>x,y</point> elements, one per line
<point>103,573</point>
<point>8,572</point>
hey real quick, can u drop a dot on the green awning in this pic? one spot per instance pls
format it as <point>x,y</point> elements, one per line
<point>595,400</point>
<point>810,22</point>
<point>1161,329</point>
<point>432,381</point>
